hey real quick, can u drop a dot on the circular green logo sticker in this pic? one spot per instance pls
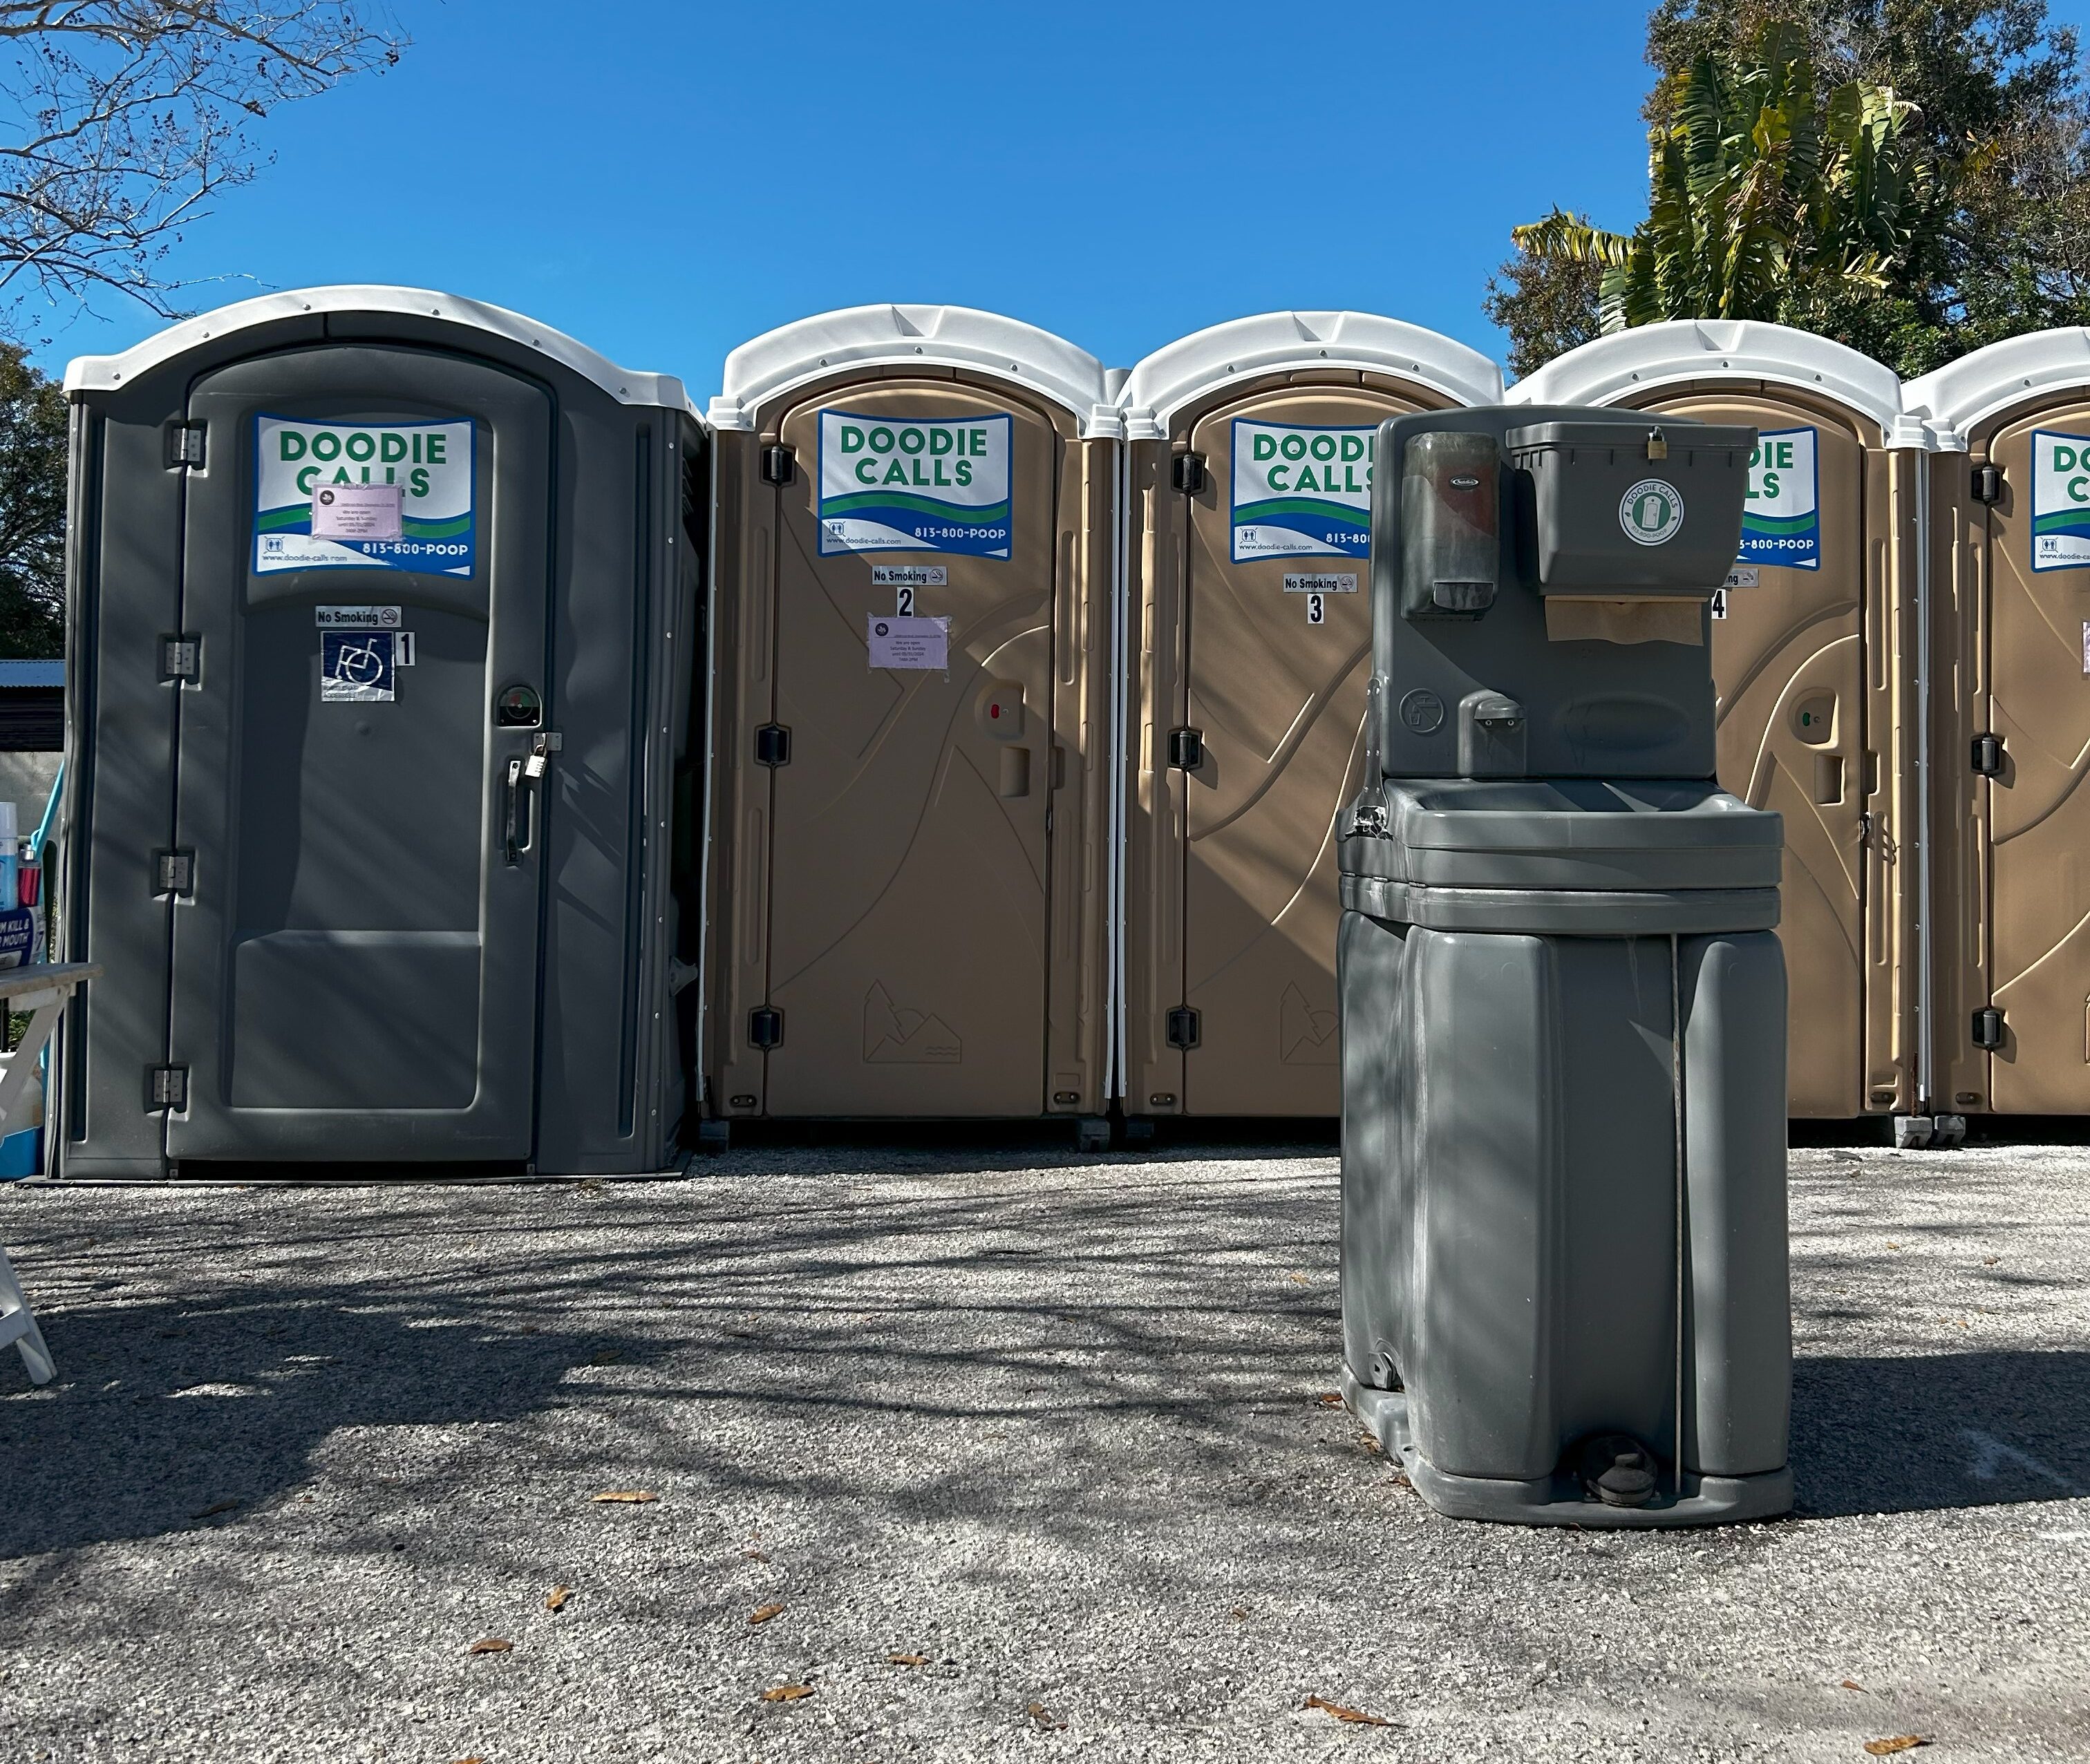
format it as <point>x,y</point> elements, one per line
<point>1652,511</point>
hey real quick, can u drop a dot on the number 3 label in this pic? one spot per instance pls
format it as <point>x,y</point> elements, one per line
<point>1317,609</point>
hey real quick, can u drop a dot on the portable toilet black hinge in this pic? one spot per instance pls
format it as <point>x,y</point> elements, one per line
<point>166,1087</point>
<point>772,745</point>
<point>779,464</point>
<point>1988,757</point>
<point>1186,749</point>
<point>185,444</point>
<point>173,873</point>
<point>1187,473</point>
<point>181,656</point>
<point>1988,1029</point>
<point>1183,1027</point>
<point>765,1027</point>
<point>1988,483</point>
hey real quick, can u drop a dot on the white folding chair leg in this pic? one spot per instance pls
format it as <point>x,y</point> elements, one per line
<point>18,1324</point>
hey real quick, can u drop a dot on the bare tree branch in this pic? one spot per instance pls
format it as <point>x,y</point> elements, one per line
<point>122,120</point>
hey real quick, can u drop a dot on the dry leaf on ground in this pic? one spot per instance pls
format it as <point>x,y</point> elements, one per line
<point>1901,1742</point>
<point>763,1613</point>
<point>1301,1278</point>
<point>473,1759</point>
<point>491,1644</point>
<point>1043,1716</point>
<point>754,1555</point>
<point>787,1693</point>
<point>216,1508</point>
<point>1330,1399</point>
<point>1852,1683</point>
<point>1342,1713</point>
<point>629,1497</point>
<point>557,1598</point>
<point>906,1659</point>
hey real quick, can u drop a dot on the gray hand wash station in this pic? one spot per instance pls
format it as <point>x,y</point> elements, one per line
<point>1565,1289</point>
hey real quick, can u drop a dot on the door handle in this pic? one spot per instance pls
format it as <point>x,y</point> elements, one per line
<point>513,815</point>
<point>524,776</point>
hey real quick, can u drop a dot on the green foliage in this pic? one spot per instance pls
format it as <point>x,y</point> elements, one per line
<point>1760,190</point>
<point>32,510</point>
<point>1951,138</point>
<point>1548,305</point>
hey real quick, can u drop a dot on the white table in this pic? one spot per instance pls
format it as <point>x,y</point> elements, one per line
<point>41,990</point>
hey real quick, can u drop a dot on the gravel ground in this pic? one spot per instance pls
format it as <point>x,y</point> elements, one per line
<point>1031,1454</point>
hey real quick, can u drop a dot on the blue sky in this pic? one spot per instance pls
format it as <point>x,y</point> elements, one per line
<point>663,178</point>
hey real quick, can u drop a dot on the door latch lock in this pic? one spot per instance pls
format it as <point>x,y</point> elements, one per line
<point>1186,749</point>
<point>772,745</point>
<point>1184,1028</point>
<point>1187,473</point>
<point>779,465</point>
<point>1988,757</point>
<point>1988,1029</point>
<point>542,748</point>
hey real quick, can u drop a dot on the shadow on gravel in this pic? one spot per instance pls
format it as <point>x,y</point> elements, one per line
<point>1923,1432</point>
<point>163,1411</point>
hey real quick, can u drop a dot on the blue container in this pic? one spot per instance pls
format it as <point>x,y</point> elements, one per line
<point>22,1154</point>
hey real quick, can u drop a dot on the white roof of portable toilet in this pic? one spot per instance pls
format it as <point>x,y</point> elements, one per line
<point>1616,367</point>
<point>912,336</point>
<point>106,373</point>
<point>1277,343</point>
<point>1962,394</point>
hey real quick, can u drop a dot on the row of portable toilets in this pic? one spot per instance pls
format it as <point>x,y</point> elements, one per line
<point>479,757</point>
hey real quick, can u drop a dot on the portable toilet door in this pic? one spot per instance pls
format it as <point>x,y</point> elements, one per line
<point>381,609</point>
<point>1250,450</point>
<point>914,526</point>
<point>2011,692</point>
<point>1814,664</point>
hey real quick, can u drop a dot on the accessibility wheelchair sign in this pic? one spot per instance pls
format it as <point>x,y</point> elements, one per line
<point>356,667</point>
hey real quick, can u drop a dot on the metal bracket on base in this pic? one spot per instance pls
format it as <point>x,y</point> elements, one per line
<point>1092,1133</point>
<point>1557,1500</point>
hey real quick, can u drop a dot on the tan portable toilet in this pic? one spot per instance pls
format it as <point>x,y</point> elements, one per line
<point>1813,662</point>
<point>1248,644</point>
<point>908,876</point>
<point>2009,591</point>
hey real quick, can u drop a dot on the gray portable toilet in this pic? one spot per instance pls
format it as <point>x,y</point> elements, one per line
<point>381,621</point>
<point>1564,1280</point>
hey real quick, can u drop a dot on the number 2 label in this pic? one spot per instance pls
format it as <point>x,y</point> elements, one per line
<point>906,609</point>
